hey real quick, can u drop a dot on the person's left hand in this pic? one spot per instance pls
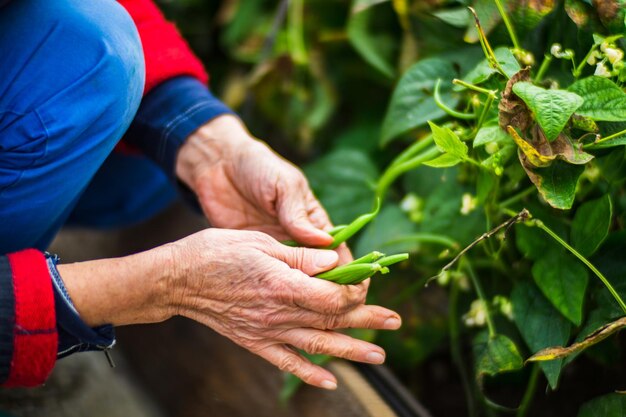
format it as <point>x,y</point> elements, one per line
<point>242,184</point>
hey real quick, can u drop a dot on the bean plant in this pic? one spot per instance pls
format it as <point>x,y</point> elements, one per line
<point>492,133</point>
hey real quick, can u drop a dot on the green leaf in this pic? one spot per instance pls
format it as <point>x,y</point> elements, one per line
<point>412,104</point>
<point>373,46</point>
<point>491,134</point>
<point>495,355</point>
<point>540,325</point>
<point>483,70</point>
<point>342,181</point>
<point>386,227</point>
<point>457,17</point>
<point>552,108</point>
<point>443,161</point>
<point>604,100</point>
<point>448,141</point>
<point>563,280</point>
<point>611,405</point>
<point>557,182</point>
<point>591,225</point>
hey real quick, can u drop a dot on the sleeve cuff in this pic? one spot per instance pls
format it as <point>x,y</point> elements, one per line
<point>74,334</point>
<point>168,115</point>
<point>28,335</point>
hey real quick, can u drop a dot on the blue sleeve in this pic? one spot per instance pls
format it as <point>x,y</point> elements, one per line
<point>168,115</point>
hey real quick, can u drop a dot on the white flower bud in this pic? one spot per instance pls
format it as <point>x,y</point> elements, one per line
<point>468,204</point>
<point>556,50</point>
<point>614,55</point>
<point>477,316</point>
<point>602,70</point>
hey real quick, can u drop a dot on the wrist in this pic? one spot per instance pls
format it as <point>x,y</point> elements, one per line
<point>214,142</point>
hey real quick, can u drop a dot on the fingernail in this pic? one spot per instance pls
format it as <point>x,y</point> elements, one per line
<point>328,384</point>
<point>326,258</point>
<point>392,323</point>
<point>375,357</point>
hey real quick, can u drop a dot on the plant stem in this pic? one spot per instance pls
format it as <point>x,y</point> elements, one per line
<point>485,112</point>
<point>474,87</point>
<point>530,392</point>
<point>508,25</point>
<point>491,56</point>
<point>519,196</point>
<point>581,66</point>
<point>394,171</point>
<point>602,140</point>
<point>545,64</point>
<point>448,110</point>
<point>584,260</point>
<point>455,346</point>
<point>418,146</point>
<point>481,295</point>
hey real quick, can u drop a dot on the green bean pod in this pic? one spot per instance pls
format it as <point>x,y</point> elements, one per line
<point>392,259</point>
<point>346,274</point>
<point>368,259</point>
<point>355,226</point>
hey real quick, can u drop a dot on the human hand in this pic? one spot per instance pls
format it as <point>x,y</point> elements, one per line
<point>260,294</point>
<point>242,184</point>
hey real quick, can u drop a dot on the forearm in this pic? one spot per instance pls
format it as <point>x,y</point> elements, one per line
<point>119,291</point>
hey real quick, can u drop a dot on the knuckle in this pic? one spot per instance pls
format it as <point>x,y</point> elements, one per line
<point>318,344</point>
<point>331,321</point>
<point>289,363</point>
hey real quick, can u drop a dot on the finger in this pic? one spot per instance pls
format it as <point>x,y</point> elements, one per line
<point>315,294</point>
<point>289,361</point>
<point>309,261</point>
<point>345,255</point>
<point>361,317</point>
<point>293,215</point>
<point>334,344</point>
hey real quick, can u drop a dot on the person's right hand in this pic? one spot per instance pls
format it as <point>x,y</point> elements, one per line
<point>261,294</point>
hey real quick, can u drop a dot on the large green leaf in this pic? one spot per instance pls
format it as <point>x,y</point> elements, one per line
<point>610,405</point>
<point>495,355</point>
<point>412,104</point>
<point>342,180</point>
<point>492,134</point>
<point>557,183</point>
<point>540,325</point>
<point>604,100</point>
<point>552,108</point>
<point>591,225</point>
<point>373,46</point>
<point>563,280</point>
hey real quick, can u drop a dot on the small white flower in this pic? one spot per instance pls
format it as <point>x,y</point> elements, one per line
<point>477,315</point>
<point>614,55</point>
<point>602,70</point>
<point>468,204</point>
<point>604,45</point>
<point>556,50</point>
<point>593,58</point>
<point>410,203</point>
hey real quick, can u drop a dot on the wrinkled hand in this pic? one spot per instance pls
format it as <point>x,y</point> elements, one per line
<point>242,184</point>
<point>259,293</point>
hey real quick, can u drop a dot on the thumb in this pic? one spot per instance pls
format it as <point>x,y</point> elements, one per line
<point>309,261</point>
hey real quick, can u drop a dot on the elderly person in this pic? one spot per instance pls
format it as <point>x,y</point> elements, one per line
<point>76,77</point>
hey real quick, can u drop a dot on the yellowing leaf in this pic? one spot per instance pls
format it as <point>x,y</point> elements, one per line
<point>532,155</point>
<point>599,335</point>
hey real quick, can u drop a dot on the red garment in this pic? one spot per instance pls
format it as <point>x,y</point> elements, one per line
<point>167,55</point>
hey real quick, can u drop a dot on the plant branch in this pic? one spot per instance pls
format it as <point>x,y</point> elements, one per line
<point>508,25</point>
<point>602,140</point>
<point>545,64</point>
<point>475,87</point>
<point>538,223</point>
<point>448,110</point>
<point>522,411</point>
<point>481,295</point>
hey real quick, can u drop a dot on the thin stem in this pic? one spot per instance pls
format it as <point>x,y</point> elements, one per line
<point>474,87</point>
<point>481,295</point>
<point>448,110</point>
<point>485,112</point>
<point>491,56</point>
<point>455,346</point>
<point>418,146</point>
<point>602,140</point>
<point>579,69</point>
<point>508,25</point>
<point>584,260</point>
<point>530,392</point>
<point>545,64</point>
<point>394,171</point>
<point>517,197</point>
